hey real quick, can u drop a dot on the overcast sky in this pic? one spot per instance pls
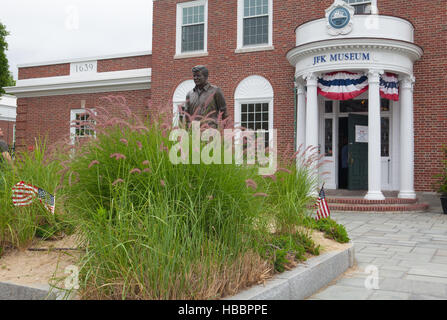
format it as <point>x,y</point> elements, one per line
<point>45,30</point>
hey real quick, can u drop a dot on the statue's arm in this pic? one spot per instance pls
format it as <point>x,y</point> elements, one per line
<point>220,103</point>
<point>187,106</point>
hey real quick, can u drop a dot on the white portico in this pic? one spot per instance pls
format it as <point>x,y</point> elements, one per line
<point>371,46</point>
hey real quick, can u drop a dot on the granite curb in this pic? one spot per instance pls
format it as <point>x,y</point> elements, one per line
<point>303,281</point>
<point>296,284</point>
<point>12,291</point>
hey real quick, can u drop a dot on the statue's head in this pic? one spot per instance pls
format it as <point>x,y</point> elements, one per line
<point>200,75</point>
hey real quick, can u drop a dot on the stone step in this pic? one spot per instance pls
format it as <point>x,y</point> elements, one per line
<point>378,207</point>
<point>359,200</point>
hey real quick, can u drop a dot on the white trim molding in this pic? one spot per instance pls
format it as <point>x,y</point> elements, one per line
<point>8,108</point>
<point>127,80</point>
<point>94,58</point>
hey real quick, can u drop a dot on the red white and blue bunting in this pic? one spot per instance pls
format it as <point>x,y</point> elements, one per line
<point>345,85</point>
<point>342,85</point>
<point>389,86</point>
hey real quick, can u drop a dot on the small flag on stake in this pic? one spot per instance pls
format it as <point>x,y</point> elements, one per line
<point>23,194</point>
<point>322,207</point>
<point>46,199</point>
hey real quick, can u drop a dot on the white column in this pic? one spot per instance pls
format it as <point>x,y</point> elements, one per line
<point>374,8</point>
<point>312,111</point>
<point>406,139</point>
<point>395,145</point>
<point>301,116</point>
<point>374,155</point>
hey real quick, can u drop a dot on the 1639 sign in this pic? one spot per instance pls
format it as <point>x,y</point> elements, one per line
<point>83,67</point>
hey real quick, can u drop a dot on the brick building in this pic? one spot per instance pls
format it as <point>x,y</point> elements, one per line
<point>52,94</point>
<point>270,58</point>
<point>8,106</point>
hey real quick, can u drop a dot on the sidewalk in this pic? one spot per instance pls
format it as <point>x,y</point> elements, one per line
<point>408,252</point>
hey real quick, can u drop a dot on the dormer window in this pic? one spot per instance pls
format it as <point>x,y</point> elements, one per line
<point>360,6</point>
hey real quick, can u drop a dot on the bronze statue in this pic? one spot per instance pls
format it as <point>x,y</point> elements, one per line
<point>205,99</point>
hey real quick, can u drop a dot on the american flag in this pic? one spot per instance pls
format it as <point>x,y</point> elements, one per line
<point>322,207</point>
<point>47,199</point>
<point>23,194</point>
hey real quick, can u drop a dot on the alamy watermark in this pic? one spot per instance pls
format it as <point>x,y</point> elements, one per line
<point>72,18</point>
<point>211,153</point>
<point>72,280</point>
<point>372,280</point>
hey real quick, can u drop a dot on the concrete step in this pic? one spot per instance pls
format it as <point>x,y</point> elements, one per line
<point>386,207</point>
<point>358,200</point>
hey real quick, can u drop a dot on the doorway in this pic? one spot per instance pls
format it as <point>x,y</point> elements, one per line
<point>342,153</point>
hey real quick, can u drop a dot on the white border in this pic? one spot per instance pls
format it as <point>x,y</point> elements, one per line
<point>178,33</point>
<point>126,80</point>
<point>240,32</point>
<point>106,57</point>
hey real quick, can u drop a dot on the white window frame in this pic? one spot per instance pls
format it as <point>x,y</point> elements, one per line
<point>73,114</point>
<point>238,114</point>
<point>372,4</point>
<point>178,47</point>
<point>240,30</point>
<point>254,92</point>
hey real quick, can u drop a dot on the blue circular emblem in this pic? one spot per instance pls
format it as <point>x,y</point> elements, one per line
<point>339,18</point>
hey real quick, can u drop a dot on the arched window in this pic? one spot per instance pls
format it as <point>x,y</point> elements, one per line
<point>179,97</point>
<point>253,108</point>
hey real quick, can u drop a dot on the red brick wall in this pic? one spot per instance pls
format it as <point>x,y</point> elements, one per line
<point>50,116</point>
<point>128,63</point>
<point>8,129</point>
<point>106,65</point>
<point>44,71</point>
<point>227,68</point>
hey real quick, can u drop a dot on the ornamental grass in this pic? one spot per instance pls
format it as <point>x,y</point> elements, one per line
<point>152,229</point>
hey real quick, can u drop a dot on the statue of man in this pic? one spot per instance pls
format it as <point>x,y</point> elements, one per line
<point>205,99</point>
<point>4,150</point>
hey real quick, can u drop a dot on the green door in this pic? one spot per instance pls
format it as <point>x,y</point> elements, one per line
<point>357,152</point>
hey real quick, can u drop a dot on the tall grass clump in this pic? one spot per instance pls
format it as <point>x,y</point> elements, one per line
<point>292,188</point>
<point>157,230</point>
<point>19,225</point>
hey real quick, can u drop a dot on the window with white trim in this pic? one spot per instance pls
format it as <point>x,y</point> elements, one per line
<point>192,27</point>
<point>81,126</point>
<point>255,20</point>
<point>255,116</point>
<point>360,6</point>
<point>253,101</point>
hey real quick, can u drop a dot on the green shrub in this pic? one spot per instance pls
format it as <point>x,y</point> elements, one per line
<point>332,230</point>
<point>289,246</point>
<point>442,176</point>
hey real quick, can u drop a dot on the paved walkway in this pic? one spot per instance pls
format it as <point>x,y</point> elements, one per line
<point>408,252</point>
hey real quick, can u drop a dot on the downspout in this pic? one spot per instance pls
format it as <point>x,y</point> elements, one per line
<point>295,89</point>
